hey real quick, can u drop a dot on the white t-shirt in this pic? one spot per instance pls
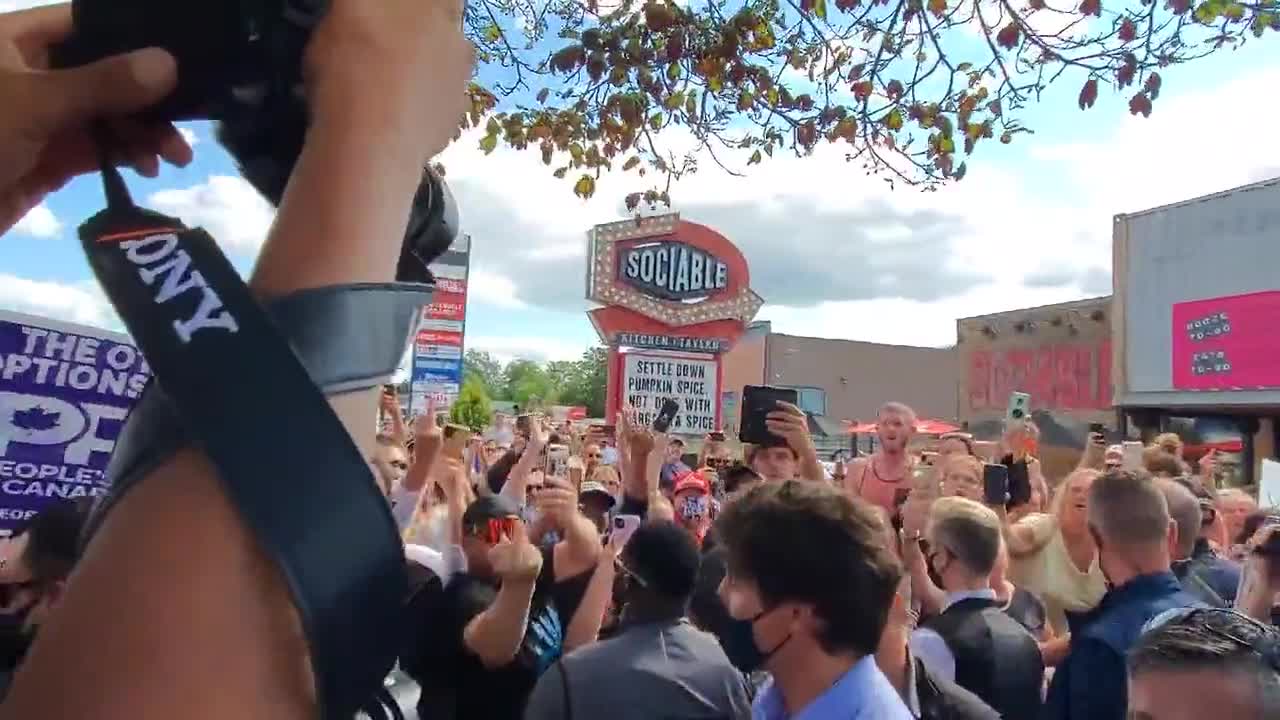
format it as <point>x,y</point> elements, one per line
<point>402,504</point>
<point>444,564</point>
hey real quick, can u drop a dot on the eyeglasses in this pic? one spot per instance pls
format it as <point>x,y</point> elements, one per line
<point>617,562</point>
<point>9,591</point>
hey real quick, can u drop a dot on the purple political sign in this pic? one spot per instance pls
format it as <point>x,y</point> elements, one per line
<point>65,391</point>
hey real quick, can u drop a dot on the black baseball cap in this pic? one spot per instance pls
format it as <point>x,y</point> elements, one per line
<point>489,507</point>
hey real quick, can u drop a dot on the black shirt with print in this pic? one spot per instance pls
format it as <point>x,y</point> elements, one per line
<point>455,684</point>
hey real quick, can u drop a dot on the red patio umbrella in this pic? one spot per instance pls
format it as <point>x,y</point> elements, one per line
<point>935,427</point>
<point>925,427</point>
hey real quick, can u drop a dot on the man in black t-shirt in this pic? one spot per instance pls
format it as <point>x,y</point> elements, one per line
<point>479,643</point>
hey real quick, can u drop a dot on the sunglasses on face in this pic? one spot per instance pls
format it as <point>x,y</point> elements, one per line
<point>495,529</point>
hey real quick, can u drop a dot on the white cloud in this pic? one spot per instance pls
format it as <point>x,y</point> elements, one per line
<point>78,303</point>
<point>228,207</point>
<point>39,222</point>
<point>11,5</point>
<point>493,289</point>
<point>541,349</point>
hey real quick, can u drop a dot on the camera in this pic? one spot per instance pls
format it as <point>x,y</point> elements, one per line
<point>240,64</point>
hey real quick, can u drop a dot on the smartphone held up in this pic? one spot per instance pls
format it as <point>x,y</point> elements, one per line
<point>757,402</point>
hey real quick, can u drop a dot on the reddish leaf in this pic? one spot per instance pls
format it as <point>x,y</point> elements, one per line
<point>1128,31</point>
<point>938,8</point>
<point>1091,7</point>
<point>1152,85</point>
<point>807,134</point>
<point>1088,94</point>
<point>1179,6</point>
<point>1036,4</point>
<point>658,16</point>
<point>1140,104</point>
<point>894,90</point>
<point>1124,76</point>
<point>862,89</point>
<point>1008,36</point>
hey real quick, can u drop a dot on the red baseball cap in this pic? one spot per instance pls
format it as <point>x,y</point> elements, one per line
<point>691,480</point>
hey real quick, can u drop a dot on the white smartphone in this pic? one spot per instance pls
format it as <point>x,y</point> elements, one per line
<point>1132,455</point>
<point>557,461</point>
<point>622,527</point>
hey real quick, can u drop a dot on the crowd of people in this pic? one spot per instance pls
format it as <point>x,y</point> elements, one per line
<point>602,571</point>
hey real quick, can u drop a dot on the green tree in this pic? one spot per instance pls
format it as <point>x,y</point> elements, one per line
<point>528,385</point>
<point>472,409</point>
<point>585,381</point>
<point>909,87</point>
<point>486,369</point>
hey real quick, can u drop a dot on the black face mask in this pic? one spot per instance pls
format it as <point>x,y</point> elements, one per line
<point>15,640</point>
<point>739,643</point>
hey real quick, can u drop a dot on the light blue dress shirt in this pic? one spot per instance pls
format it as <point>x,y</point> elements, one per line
<point>929,646</point>
<point>863,693</point>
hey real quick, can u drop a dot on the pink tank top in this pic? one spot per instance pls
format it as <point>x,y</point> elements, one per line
<point>869,486</point>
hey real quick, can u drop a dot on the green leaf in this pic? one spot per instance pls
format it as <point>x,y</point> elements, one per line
<point>492,33</point>
<point>559,173</point>
<point>585,187</point>
<point>755,158</point>
<point>946,145</point>
<point>820,8</point>
<point>488,143</point>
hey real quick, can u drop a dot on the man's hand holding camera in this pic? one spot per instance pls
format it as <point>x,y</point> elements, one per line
<point>45,127</point>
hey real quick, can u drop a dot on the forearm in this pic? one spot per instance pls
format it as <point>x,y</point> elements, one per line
<point>582,545</point>
<point>810,466</point>
<point>415,478</point>
<point>173,579</point>
<point>495,635</point>
<point>922,586</point>
<point>518,479</point>
<point>634,481</point>
<point>584,628</point>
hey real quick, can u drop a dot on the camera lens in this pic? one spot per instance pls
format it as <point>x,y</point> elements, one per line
<point>619,523</point>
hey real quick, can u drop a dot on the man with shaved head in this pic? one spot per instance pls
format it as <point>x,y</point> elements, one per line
<point>1184,509</point>
<point>1129,520</point>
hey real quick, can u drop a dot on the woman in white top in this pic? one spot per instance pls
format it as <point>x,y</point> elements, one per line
<point>1054,556</point>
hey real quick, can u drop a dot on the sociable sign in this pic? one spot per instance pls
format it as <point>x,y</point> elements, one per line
<point>673,270</point>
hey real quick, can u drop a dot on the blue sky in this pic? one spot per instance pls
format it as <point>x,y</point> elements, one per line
<point>833,253</point>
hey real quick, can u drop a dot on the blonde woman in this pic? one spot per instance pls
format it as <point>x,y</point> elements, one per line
<point>1053,554</point>
<point>960,476</point>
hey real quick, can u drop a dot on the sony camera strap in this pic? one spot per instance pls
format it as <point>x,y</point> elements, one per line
<point>306,494</point>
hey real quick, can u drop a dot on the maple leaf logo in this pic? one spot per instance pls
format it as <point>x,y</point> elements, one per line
<point>36,418</point>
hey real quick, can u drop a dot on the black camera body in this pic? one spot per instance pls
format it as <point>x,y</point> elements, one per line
<point>240,64</point>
